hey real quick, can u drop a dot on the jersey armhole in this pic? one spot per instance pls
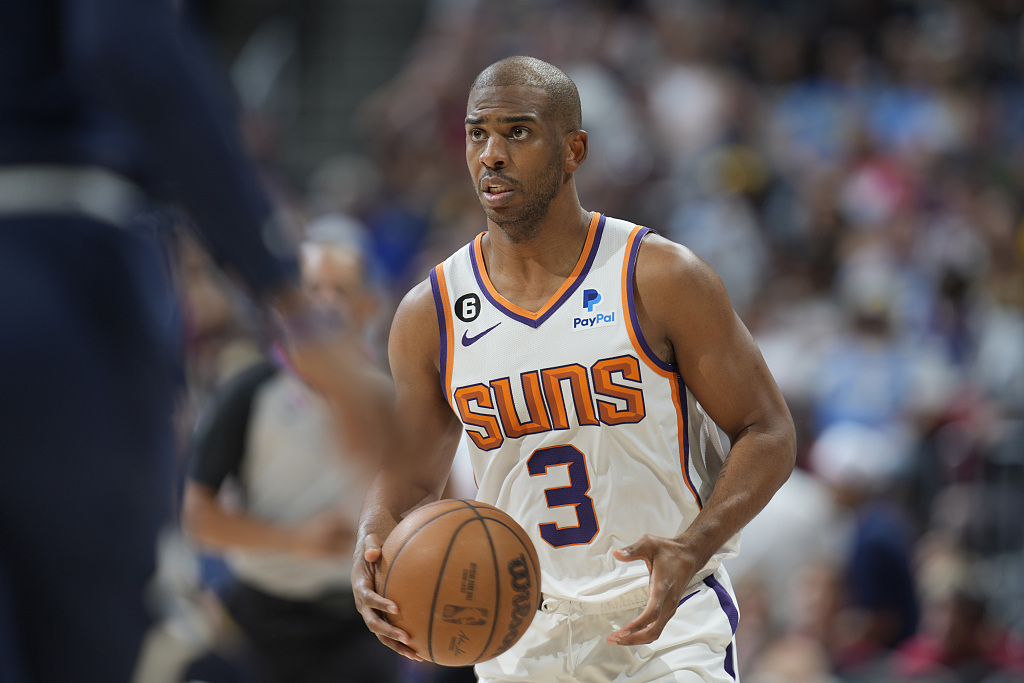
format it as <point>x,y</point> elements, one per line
<point>439,288</point>
<point>636,335</point>
<point>667,370</point>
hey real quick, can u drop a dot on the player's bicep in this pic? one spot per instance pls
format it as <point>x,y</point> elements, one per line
<point>427,430</point>
<point>728,376</point>
<point>715,353</point>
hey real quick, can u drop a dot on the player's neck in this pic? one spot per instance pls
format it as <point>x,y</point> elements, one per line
<point>528,272</point>
<point>555,241</point>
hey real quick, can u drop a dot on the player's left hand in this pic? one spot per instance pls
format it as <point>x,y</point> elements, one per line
<point>671,567</point>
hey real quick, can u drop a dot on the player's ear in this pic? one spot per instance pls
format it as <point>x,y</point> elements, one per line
<point>575,150</point>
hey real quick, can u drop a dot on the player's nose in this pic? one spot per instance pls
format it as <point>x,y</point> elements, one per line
<point>494,153</point>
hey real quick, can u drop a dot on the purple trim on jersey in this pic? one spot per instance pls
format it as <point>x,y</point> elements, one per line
<point>729,607</point>
<point>634,249</point>
<point>687,598</point>
<point>685,409</point>
<point>598,231</point>
<point>439,306</point>
<point>734,618</point>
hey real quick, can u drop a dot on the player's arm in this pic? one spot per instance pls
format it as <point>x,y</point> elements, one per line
<point>425,436</point>
<point>698,330</point>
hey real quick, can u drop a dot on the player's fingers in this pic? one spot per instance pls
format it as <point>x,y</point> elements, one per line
<point>647,627</point>
<point>400,648</point>
<point>373,600</point>
<point>645,619</point>
<point>365,592</point>
<point>643,636</point>
<point>372,548</point>
<point>368,601</point>
<point>382,627</point>
<point>640,550</point>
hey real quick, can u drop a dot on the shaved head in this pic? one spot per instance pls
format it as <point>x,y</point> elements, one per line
<point>563,99</point>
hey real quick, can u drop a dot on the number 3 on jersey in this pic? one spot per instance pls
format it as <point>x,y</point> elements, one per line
<point>574,494</point>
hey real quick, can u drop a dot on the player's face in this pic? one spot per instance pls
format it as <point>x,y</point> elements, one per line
<point>514,154</point>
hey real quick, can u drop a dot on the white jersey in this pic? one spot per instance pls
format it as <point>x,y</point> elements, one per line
<point>576,428</point>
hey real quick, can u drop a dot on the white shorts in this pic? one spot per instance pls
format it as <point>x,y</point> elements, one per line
<point>566,641</point>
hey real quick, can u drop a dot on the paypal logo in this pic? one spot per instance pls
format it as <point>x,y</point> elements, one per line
<point>598,320</point>
<point>591,298</point>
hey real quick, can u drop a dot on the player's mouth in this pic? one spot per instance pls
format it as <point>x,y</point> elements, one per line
<point>495,192</point>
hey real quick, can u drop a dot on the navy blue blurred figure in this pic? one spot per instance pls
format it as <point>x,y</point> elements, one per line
<point>104,105</point>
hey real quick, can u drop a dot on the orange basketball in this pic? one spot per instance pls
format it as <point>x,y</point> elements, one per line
<point>465,577</point>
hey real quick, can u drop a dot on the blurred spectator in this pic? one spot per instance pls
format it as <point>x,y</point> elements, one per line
<point>797,528</point>
<point>300,474</point>
<point>880,606</point>
<point>958,643</point>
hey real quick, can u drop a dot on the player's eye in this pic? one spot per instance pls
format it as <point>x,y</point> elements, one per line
<point>519,133</point>
<point>476,135</point>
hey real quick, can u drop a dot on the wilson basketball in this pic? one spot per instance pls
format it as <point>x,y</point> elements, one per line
<point>465,577</point>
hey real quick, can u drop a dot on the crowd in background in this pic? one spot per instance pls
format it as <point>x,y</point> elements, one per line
<point>854,170</point>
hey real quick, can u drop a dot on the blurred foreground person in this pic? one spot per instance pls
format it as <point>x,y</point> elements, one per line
<point>108,107</point>
<point>288,532</point>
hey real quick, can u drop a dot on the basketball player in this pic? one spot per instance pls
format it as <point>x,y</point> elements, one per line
<point>589,361</point>
<point>106,106</point>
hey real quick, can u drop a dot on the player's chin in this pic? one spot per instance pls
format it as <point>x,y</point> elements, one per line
<point>496,215</point>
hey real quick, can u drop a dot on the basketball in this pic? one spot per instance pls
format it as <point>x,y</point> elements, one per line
<point>465,577</point>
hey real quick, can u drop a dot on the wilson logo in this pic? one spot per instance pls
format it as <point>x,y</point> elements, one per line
<point>522,603</point>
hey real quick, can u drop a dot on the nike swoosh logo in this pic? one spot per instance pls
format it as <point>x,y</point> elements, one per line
<point>467,340</point>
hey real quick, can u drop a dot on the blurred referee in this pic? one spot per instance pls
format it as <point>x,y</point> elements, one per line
<point>106,106</point>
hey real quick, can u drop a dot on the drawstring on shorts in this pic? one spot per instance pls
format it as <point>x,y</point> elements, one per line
<point>572,609</point>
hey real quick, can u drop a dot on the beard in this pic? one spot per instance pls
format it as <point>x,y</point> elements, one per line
<point>522,223</point>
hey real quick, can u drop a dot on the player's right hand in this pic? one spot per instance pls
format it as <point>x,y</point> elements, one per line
<point>371,605</point>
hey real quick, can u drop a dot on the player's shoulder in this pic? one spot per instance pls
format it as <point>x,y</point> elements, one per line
<point>660,262</point>
<point>421,295</point>
<point>416,315</point>
<point>674,287</point>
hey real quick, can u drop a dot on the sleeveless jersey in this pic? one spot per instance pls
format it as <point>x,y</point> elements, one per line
<point>575,427</point>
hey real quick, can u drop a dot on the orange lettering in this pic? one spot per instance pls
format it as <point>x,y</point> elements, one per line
<point>537,412</point>
<point>628,368</point>
<point>491,436</point>
<point>581,396</point>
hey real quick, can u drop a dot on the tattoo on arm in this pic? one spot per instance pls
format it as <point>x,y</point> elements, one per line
<point>724,470</point>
